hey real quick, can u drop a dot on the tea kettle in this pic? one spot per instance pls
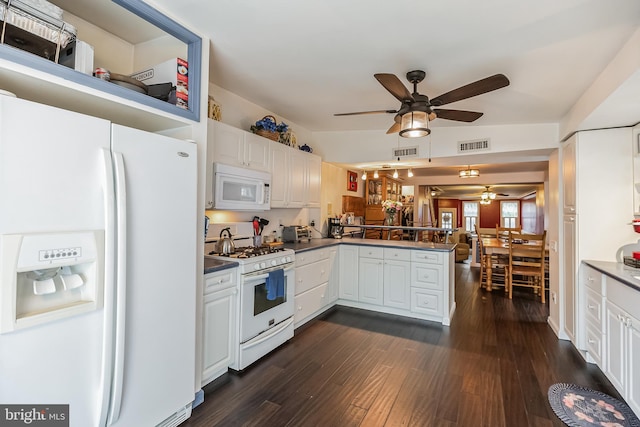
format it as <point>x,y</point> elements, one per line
<point>225,245</point>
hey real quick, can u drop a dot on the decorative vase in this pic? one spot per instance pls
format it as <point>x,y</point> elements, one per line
<point>389,218</point>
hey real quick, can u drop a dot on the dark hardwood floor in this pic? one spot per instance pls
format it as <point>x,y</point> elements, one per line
<point>491,367</point>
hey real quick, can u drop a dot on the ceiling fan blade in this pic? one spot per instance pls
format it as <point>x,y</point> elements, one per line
<point>394,86</point>
<point>394,128</point>
<point>472,89</point>
<point>457,115</point>
<point>366,112</point>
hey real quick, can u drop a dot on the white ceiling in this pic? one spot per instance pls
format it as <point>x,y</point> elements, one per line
<point>307,60</point>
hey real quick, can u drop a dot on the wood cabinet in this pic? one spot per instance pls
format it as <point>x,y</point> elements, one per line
<point>218,324</point>
<point>377,190</point>
<point>237,147</point>
<point>295,177</point>
<point>314,289</point>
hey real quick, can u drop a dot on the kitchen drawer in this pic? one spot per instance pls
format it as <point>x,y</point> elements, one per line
<point>592,278</point>
<point>308,257</point>
<point>431,257</point>
<point>214,282</point>
<point>594,344</point>
<point>427,276</point>
<point>397,254</point>
<point>593,308</point>
<point>426,302</point>
<point>311,275</point>
<point>371,252</point>
<point>309,302</point>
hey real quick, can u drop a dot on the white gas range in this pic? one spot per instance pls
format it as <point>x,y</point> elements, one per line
<point>267,277</point>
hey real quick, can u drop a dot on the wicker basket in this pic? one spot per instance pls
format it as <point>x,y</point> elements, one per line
<point>274,136</point>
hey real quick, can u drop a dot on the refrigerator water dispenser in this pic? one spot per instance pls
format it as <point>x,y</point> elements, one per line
<point>49,276</point>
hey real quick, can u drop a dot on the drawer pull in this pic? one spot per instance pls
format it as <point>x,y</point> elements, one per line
<point>591,306</point>
<point>591,341</point>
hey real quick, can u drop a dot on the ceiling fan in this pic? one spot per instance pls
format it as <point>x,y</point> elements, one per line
<point>416,102</point>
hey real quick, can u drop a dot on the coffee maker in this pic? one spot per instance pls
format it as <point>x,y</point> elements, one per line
<point>334,228</point>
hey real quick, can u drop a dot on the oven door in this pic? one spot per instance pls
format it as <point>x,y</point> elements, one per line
<point>257,312</point>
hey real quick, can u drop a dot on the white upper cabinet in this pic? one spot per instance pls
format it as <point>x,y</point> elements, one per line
<point>237,147</point>
<point>295,178</point>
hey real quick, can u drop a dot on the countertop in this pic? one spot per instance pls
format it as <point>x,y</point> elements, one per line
<point>628,275</point>
<point>213,265</point>
<point>406,244</point>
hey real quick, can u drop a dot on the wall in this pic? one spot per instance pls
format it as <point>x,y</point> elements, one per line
<point>334,186</point>
<point>490,215</point>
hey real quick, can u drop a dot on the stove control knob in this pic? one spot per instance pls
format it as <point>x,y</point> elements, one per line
<point>263,265</point>
<point>274,262</point>
<point>256,267</point>
<point>288,259</point>
<point>284,259</point>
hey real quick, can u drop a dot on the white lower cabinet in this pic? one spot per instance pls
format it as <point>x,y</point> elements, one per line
<point>402,281</point>
<point>314,288</point>
<point>370,275</point>
<point>622,334</point>
<point>349,255</point>
<point>397,277</point>
<point>219,324</point>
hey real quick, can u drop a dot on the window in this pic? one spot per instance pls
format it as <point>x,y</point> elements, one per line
<point>446,219</point>
<point>470,216</point>
<point>509,214</point>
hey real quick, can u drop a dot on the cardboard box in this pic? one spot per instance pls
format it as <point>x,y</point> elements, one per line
<point>174,71</point>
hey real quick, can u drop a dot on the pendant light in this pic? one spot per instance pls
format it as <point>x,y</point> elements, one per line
<point>410,173</point>
<point>395,174</point>
<point>375,175</point>
<point>469,173</point>
<point>364,175</point>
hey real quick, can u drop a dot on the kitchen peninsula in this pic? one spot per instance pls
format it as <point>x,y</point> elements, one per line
<point>413,279</point>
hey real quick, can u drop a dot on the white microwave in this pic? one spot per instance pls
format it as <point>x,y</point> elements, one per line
<point>240,189</point>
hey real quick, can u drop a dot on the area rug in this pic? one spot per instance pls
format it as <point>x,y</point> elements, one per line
<point>582,407</point>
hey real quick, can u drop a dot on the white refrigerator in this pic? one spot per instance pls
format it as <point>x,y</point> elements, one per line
<point>98,226</point>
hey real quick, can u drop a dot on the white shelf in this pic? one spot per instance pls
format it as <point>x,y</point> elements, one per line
<point>37,79</point>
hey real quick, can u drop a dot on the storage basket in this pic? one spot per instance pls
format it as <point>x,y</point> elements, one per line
<point>274,136</point>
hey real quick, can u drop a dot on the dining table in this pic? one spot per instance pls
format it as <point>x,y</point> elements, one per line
<point>494,245</point>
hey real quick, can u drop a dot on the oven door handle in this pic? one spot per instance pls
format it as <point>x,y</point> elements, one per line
<point>264,276</point>
<point>268,334</point>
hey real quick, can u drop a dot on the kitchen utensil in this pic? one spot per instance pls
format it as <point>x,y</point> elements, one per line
<point>256,225</point>
<point>206,226</point>
<point>262,222</point>
<point>225,245</point>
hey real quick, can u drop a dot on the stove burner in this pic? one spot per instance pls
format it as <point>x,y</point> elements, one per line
<point>250,251</point>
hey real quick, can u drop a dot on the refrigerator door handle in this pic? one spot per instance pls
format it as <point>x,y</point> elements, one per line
<point>121,288</point>
<point>109,289</point>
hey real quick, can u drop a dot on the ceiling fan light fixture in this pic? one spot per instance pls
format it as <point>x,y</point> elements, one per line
<point>414,124</point>
<point>469,173</point>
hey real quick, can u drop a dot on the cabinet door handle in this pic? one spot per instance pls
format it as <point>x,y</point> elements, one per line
<point>590,279</point>
<point>299,308</point>
<point>591,306</point>
<point>591,341</point>
<point>234,292</point>
<point>299,280</point>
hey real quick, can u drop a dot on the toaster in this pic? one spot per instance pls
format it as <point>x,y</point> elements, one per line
<point>296,233</point>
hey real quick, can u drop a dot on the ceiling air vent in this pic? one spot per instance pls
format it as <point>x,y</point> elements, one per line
<point>474,145</point>
<point>406,152</point>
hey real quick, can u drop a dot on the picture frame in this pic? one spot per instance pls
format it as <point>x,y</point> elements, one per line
<point>352,181</point>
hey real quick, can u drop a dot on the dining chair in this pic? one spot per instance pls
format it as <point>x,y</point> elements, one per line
<point>498,268</point>
<point>503,232</point>
<point>527,263</point>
